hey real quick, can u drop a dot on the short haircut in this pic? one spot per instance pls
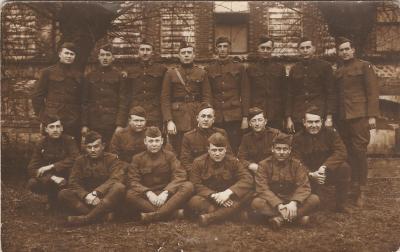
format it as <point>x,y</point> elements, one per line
<point>153,132</point>
<point>218,140</point>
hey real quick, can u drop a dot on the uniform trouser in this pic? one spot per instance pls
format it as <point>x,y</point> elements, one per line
<point>44,185</point>
<point>114,195</point>
<point>199,205</point>
<point>234,133</point>
<point>261,206</point>
<point>356,136</point>
<point>175,201</point>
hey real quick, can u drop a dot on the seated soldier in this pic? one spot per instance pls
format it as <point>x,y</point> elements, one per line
<point>51,160</point>
<point>95,183</point>
<point>282,186</point>
<point>322,151</point>
<point>256,145</point>
<point>195,142</point>
<point>222,185</point>
<point>158,184</point>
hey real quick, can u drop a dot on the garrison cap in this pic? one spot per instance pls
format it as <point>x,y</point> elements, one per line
<point>184,44</point>
<point>106,47</point>
<point>304,39</point>
<point>146,42</point>
<point>47,119</point>
<point>314,110</point>
<point>222,40</point>
<point>204,105</point>
<point>68,45</point>
<point>218,140</point>
<point>282,138</point>
<point>255,111</point>
<point>138,111</point>
<point>342,40</point>
<point>264,39</point>
<point>153,132</point>
<point>92,136</point>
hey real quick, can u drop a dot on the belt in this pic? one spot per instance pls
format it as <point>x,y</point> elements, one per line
<point>187,98</point>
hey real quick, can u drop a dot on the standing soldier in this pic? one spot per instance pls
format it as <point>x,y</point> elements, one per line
<point>231,91</point>
<point>257,144</point>
<point>51,160</point>
<point>59,91</point>
<point>183,89</point>
<point>222,185</point>
<point>358,108</point>
<point>103,98</point>
<point>310,83</point>
<point>144,83</point>
<point>95,183</point>
<point>268,84</point>
<point>158,184</point>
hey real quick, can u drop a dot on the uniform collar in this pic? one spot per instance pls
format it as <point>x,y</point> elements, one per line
<point>146,63</point>
<point>224,61</point>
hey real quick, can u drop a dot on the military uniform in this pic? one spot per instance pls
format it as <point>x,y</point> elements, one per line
<point>268,89</point>
<point>61,153</point>
<point>358,99</point>
<point>104,101</point>
<point>210,177</point>
<point>157,172</point>
<point>282,182</point>
<point>195,143</point>
<point>231,91</point>
<point>59,93</point>
<point>127,143</point>
<point>144,83</point>
<point>311,82</point>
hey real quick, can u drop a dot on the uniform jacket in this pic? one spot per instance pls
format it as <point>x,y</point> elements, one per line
<point>358,91</point>
<point>210,177</point>
<point>144,85</point>
<point>127,143</point>
<point>195,143</point>
<point>325,148</point>
<point>256,146</point>
<point>104,99</point>
<point>268,88</point>
<point>311,82</point>
<point>98,175</point>
<point>58,92</point>
<point>230,89</point>
<point>282,182</point>
<point>153,172</point>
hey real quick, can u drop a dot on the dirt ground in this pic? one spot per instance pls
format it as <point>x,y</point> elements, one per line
<point>26,226</point>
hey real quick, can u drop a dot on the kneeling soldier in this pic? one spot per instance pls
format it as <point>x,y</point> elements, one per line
<point>222,184</point>
<point>96,183</point>
<point>158,184</point>
<point>282,186</point>
<point>51,160</point>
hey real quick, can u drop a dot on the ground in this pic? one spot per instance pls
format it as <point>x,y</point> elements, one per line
<point>26,226</point>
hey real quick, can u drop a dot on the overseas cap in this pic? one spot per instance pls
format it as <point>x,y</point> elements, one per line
<point>204,105</point>
<point>304,39</point>
<point>47,119</point>
<point>69,45</point>
<point>138,111</point>
<point>218,140</point>
<point>264,39</point>
<point>282,138</point>
<point>106,47</point>
<point>314,110</point>
<point>153,132</point>
<point>92,136</point>
<point>342,40</point>
<point>146,42</point>
<point>222,40</point>
<point>184,44</point>
<point>255,111</point>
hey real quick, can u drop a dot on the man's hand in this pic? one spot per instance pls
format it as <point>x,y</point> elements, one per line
<point>283,211</point>
<point>318,177</point>
<point>292,210</point>
<point>221,197</point>
<point>253,167</point>
<point>118,129</point>
<point>328,121</point>
<point>42,170</point>
<point>245,123</point>
<point>171,128</point>
<point>84,130</point>
<point>92,199</point>
<point>228,203</point>
<point>372,123</point>
<point>162,198</point>
<point>58,180</point>
<point>290,126</point>
<point>153,198</point>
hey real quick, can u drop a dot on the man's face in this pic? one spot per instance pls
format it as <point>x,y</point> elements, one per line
<point>66,56</point>
<point>281,152</point>
<point>216,153</point>
<point>137,123</point>
<point>223,50</point>
<point>186,55</point>
<point>145,52</point>
<point>258,122</point>
<point>105,58</point>
<point>265,49</point>
<point>206,118</point>
<point>345,51</point>
<point>312,123</point>
<point>54,130</point>
<point>153,144</point>
<point>306,49</point>
<point>95,149</point>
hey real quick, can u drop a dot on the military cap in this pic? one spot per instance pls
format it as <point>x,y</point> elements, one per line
<point>204,105</point>
<point>222,40</point>
<point>314,110</point>
<point>137,111</point>
<point>92,136</point>
<point>342,40</point>
<point>218,140</point>
<point>304,39</point>
<point>255,111</point>
<point>153,131</point>
<point>46,119</point>
<point>106,47</point>
<point>68,45</point>
<point>184,44</point>
<point>145,42</point>
<point>282,138</point>
<point>264,39</point>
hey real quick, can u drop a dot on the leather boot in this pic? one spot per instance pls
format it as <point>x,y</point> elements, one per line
<point>342,190</point>
<point>276,222</point>
<point>149,217</point>
<point>218,215</point>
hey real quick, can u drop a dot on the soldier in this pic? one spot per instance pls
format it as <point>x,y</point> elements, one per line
<point>104,98</point>
<point>95,183</point>
<point>268,84</point>
<point>310,83</point>
<point>322,151</point>
<point>144,82</point>
<point>222,185</point>
<point>157,183</point>
<point>59,91</point>
<point>282,186</point>
<point>231,91</point>
<point>358,101</point>
<point>51,160</point>
<point>195,142</point>
<point>257,144</point>
<point>184,88</point>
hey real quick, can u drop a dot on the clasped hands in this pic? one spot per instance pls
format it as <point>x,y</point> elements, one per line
<point>288,211</point>
<point>319,175</point>
<point>222,198</point>
<point>92,199</point>
<point>157,200</point>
